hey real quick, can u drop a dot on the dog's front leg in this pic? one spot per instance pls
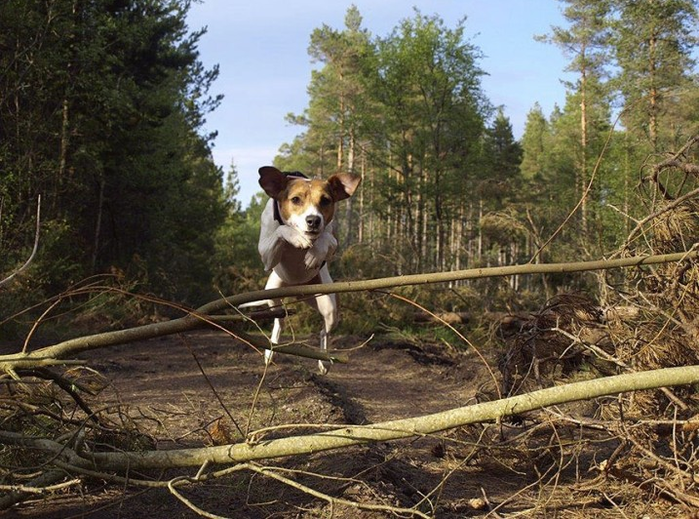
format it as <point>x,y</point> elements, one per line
<point>323,249</point>
<point>271,244</point>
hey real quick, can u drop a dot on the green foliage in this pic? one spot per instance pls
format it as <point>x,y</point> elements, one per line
<point>101,104</point>
<point>577,153</point>
<point>407,112</point>
<point>653,43</point>
<point>446,185</point>
<point>102,108</point>
<point>236,260</point>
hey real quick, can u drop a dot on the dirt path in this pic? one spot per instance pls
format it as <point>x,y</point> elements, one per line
<point>184,390</point>
<point>384,380</point>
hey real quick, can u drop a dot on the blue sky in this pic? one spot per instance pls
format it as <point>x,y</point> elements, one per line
<point>261,49</point>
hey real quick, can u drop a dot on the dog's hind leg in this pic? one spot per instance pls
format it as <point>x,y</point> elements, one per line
<point>327,307</point>
<point>274,281</point>
<point>276,336</point>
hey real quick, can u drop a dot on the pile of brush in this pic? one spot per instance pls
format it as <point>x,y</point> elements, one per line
<point>649,320</point>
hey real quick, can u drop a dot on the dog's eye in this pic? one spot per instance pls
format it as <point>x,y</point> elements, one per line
<point>296,200</point>
<point>325,201</point>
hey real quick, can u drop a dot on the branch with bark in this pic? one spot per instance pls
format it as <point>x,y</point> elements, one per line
<point>73,454</point>
<point>678,161</point>
<point>350,435</point>
<point>201,316</point>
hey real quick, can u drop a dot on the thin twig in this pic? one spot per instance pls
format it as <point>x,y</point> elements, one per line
<point>350,435</point>
<point>171,487</point>
<point>458,334</point>
<point>270,472</point>
<point>211,386</point>
<point>584,194</point>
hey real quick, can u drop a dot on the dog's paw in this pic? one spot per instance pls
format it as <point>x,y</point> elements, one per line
<point>324,367</point>
<point>314,258</point>
<point>295,238</point>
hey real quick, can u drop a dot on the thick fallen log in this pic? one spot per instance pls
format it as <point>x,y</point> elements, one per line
<point>354,435</point>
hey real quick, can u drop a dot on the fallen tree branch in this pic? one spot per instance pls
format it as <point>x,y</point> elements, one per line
<point>662,210</point>
<point>354,435</point>
<point>51,355</point>
<point>45,483</point>
<point>677,160</point>
<point>444,277</point>
<point>197,318</point>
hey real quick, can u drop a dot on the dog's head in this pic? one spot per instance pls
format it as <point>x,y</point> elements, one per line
<point>308,205</point>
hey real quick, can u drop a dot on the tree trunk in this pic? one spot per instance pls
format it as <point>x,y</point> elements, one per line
<point>653,109</point>
<point>98,223</point>
<point>583,146</point>
<point>349,207</point>
<point>63,153</point>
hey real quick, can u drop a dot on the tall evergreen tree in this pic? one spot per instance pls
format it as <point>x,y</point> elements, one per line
<point>236,259</point>
<point>586,42</point>
<point>101,108</point>
<point>336,98</point>
<point>431,111</point>
<point>407,112</point>
<point>500,188</point>
<point>534,143</point>
<point>502,151</point>
<point>653,44</point>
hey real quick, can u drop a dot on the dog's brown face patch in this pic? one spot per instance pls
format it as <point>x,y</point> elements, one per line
<point>303,198</point>
<point>307,205</point>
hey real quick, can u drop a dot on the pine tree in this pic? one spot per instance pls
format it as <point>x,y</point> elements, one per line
<point>102,115</point>
<point>534,144</point>
<point>501,189</point>
<point>336,98</point>
<point>586,42</point>
<point>236,259</point>
<point>429,122</point>
<point>504,153</point>
<point>653,43</point>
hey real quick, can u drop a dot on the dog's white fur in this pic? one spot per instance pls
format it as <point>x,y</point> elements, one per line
<point>297,239</point>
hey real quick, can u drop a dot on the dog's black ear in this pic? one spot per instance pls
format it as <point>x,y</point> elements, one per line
<point>272,180</point>
<point>344,185</point>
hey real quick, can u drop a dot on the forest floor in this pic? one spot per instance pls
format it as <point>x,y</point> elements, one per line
<point>493,470</point>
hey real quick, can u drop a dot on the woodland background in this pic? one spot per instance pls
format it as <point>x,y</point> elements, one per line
<point>102,106</point>
<point>102,115</point>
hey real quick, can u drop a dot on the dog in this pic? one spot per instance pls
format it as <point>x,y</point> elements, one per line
<point>297,239</point>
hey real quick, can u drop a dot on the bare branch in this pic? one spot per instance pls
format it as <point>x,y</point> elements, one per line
<point>200,317</point>
<point>355,435</point>
<point>36,246</point>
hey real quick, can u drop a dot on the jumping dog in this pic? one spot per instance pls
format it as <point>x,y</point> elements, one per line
<point>297,239</point>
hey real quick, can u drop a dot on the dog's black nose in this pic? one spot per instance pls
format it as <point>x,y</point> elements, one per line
<point>313,222</point>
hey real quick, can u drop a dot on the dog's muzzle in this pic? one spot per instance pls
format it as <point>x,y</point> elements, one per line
<point>313,223</point>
